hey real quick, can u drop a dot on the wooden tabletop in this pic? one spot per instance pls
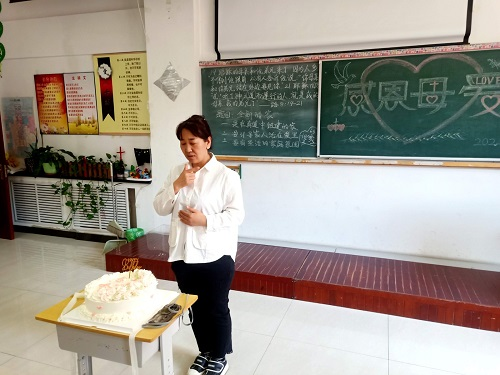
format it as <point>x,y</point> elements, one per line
<point>51,315</point>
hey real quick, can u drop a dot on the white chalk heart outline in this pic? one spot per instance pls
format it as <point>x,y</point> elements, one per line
<point>416,69</point>
<point>491,109</point>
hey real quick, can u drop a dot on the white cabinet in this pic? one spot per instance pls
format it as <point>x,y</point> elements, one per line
<point>35,204</point>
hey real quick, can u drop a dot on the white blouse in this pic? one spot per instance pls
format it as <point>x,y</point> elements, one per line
<point>217,193</point>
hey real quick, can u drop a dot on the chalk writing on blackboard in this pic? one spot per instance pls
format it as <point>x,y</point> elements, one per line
<point>494,63</point>
<point>432,94</point>
<point>264,110</point>
<point>436,105</point>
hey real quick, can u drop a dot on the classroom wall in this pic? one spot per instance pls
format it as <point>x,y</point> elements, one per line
<point>435,212</point>
<point>24,10</point>
<point>63,44</point>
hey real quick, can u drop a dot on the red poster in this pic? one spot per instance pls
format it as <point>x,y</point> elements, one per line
<point>51,103</point>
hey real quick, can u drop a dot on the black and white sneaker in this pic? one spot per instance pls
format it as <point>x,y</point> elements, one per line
<point>217,366</point>
<point>199,365</point>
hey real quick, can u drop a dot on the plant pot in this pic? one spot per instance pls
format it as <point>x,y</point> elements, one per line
<point>50,169</point>
<point>30,165</point>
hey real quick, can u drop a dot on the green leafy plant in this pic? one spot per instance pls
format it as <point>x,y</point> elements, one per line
<point>47,154</point>
<point>87,197</point>
<point>33,164</point>
<point>83,180</point>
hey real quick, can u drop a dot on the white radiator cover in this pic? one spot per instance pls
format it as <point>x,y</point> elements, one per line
<point>35,204</point>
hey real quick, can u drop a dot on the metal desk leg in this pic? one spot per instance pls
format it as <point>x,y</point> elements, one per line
<point>84,364</point>
<point>167,360</point>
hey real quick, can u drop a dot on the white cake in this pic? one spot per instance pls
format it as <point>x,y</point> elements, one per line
<point>120,297</point>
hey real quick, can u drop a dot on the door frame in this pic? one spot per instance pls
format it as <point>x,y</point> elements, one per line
<point>6,222</point>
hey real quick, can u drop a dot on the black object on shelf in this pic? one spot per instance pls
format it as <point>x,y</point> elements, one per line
<point>142,155</point>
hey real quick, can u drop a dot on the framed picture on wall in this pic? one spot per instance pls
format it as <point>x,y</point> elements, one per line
<point>81,105</point>
<point>20,130</point>
<point>51,103</point>
<point>122,93</point>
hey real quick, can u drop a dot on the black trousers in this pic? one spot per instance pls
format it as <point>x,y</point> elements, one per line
<point>211,316</point>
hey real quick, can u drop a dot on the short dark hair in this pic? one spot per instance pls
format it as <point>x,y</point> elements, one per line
<point>197,125</point>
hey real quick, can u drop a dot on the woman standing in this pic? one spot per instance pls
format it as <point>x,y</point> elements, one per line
<point>205,200</point>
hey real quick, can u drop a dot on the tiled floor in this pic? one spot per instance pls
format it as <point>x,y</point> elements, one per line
<point>272,336</point>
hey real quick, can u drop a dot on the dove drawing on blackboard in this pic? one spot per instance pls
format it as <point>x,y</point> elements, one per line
<point>342,78</point>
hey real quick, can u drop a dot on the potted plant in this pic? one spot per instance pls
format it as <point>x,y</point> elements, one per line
<point>118,165</point>
<point>33,165</point>
<point>31,161</point>
<point>51,159</point>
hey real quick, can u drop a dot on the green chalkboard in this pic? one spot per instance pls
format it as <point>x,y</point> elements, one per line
<point>262,110</point>
<point>436,106</point>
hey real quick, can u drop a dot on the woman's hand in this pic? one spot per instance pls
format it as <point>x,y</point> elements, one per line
<point>193,217</point>
<point>186,178</point>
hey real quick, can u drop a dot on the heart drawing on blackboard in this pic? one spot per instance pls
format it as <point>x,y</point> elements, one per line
<point>433,128</point>
<point>495,102</point>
